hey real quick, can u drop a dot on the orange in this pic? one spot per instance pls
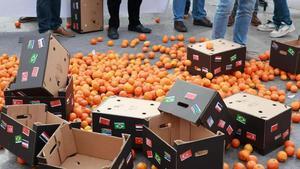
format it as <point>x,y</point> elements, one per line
<point>250,164</point>
<point>239,165</point>
<point>296,118</point>
<point>244,155</point>
<point>209,45</point>
<point>187,63</point>
<point>157,20</point>
<point>272,164</point>
<point>281,156</point>
<point>202,39</point>
<point>298,153</point>
<point>180,37</point>
<point>258,166</point>
<point>72,117</point>
<point>235,143</point>
<point>252,158</point>
<point>290,151</point>
<point>294,89</point>
<point>20,161</point>
<point>226,166</point>
<point>172,38</point>
<point>93,41</point>
<point>192,39</point>
<point>110,43</point>
<point>295,105</point>
<point>153,167</point>
<point>165,39</point>
<point>100,39</point>
<point>289,143</point>
<point>288,85</point>
<point>209,75</point>
<point>142,37</point>
<point>248,147</point>
<point>18,24</point>
<point>141,165</point>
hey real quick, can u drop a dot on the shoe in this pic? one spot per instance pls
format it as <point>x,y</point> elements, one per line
<point>203,22</point>
<point>179,26</point>
<point>112,33</point>
<point>231,20</point>
<point>267,27</point>
<point>186,16</point>
<point>62,32</point>
<point>255,20</point>
<point>139,28</point>
<point>282,31</point>
<point>27,19</point>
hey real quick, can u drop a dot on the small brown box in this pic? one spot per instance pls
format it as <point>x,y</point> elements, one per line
<point>87,15</point>
<point>261,122</point>
<point>226,57</point>
<point>286,56</point>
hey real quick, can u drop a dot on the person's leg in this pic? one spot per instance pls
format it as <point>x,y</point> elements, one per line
<point>55,14</point>
<point>134,17</point>
<point>233,14</point>
<point>113,9</point>
<point>255,20</point>
<point>178,12</point>
<point>199,14</point>
<point>43,15</point>
<point>223,11</point>
<point>243,20</point>
<point>187,7</point>
<point>256,9</point>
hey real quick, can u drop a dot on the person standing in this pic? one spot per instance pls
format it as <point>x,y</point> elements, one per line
<point>134,18</point>
<point>48,17</point>
<point>199,14</point>
<point>282,23</point>
<point>243,19</point>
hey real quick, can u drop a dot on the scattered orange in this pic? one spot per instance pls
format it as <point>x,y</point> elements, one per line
<point>18,24</point>
<point>165,39</point>
<point>235,143</point>
<point>252,158</point>
<point>290,151</point>
<point>142,37</point>
<point>226,166</point>
<point>272,164</point>
<point>289,143</point>
<point>141,165</point>
<point>298,153</point>
<point>250,164</point>
<point>180,37</point>
<point>244,155</point>
<point>110,43</point>
<point>295,105</point>
<point>192,39</point>
<point>209,45</point>
<point>296,117</point>
<point>93,41</point>
<point>294,89</point>
<point>281,156</point>
<point>21,161</point>
<point>239,165</point>
<point>258,166</point>
<point>248,147</point>
<point>100,39</point>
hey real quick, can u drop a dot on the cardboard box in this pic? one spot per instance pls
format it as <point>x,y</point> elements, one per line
<point>226,57</point>
<point>174,143</point>
<point>26,128</point>
<point>286,56</point>
<point>261,122</point>
<point>201,106</point>
<point>44,65</point>
<point>87,15</point>
<point>61,105</point>
<point>119,115</point>
<point>76,149</point>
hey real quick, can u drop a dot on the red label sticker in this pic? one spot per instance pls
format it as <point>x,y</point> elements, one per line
<point>26,131</point>
<point>195,57</point>
<point>138,140</point>
<point>229,130</point>
<point>251,136</point>
<point>104,121</point>
<point>9,129</point>
<point>148,142</point>
<point>274,128</point>
<point>285,134</point>
<point>186,155</point>
<point>190,96</point>
<point>221,124</point>
<point>238,63</point>
<point>55,103</point>
<point>16,101</point>
<point>24,76</point>
<point>218,59</point>
<point>149,154</point>
<point>35,72</point>
<point>217,70</point>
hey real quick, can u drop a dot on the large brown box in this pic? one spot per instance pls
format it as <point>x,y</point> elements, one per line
<point>87,15</point>
<point>44,65</point>
<point>119,115</point>
<point>261,122</point>
<point>226,57</point>
<point>76,149</point>
<point>286,56</point>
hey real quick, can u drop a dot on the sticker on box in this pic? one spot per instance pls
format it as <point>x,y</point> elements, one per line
<point>17,101</point>
<point>190,96</point>
<point>195,57</point>
<point>30,44</point>
<point>10,129</point>
<point>157,158</point>
<point>218,59</point>
<point>35,102</point>
<point>139,127</point>
<point>25,144</point>
<point>3,125</point>
<point>138,140</point>
<point>196,109</point>
<point>24,76</point>
<point>275,46</point>
<point>239,132</point>
<point>44,137</point>
<point>238,63</point>
<point>129,157</point>
<point>33,58</point>
<point>18,139</point>
<point>285,134</point>
<point>149,154</point>
<point>204,69</point>
<point>41,43</point>
<point>55,103</point>
<point>219,107</point>
<point>221,124</point>
<point>148,142</point>
<point>186,155</point>
<point>291,51</point>
<point>210,121</point>
<point>26,131</point>
<point>277,137</point>
<point>119,125</point>
<point>233,58</point>
<point>274,128</point>
<point>229,67</point>
<point>104,121</point>
<point>35,72</point>
<point>251,136</point>
<point>106,131</point>
<point>77,5</point>
<point>241,119</point>
<point>169,99</point>
<point>217,70</point>
<point>229,130</point>
<point>167,156</point>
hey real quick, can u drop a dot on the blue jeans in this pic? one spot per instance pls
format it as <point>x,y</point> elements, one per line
<point>48,14</point>
<point>242,22</point>
<point>256,9</point>
<point>179,9</point>
<point>281,13</point>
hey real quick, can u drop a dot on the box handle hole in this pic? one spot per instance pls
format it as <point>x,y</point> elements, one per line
<point>184,105</point>
<point>166,125</point>
<point>201,153</point>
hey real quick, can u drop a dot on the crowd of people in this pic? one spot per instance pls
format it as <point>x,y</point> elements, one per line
<point>238,13</point>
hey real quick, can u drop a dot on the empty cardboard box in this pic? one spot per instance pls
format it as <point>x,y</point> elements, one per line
<point>286,56</point>
<point>261,122</point>
<point>76,149</point>
<point>44,65</point>
<point>201,106</point>
<point>26,128</point>
<point>61,105</point>
<point>118,115</point>
<point>87,15</point>
<point>226,57</point>
<point>174,143</point>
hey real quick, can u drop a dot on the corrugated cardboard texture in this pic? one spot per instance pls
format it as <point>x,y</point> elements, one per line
<point>91,15</point>
<point>294,43</point>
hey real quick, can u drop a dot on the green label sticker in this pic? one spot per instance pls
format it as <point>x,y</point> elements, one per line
<point>18,139</point>
<point>30,44</point>
<point>33,58</point>
<point>157,158</point>
<point>241,119</point>
<point>196,109</point>
<point>291,51</point>
<point>233,58</point>
<point>119,125</point>
<point>169,99</point>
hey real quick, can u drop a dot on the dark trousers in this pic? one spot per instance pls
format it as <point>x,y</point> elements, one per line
<point>48,14</point>
<point>187,7</point>
<point>133,11</point>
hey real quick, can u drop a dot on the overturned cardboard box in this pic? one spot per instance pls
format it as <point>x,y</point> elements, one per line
<point>26,128</point>
<point>261,122</point>
<point>286,55</point>
<point>225,57</point>
<point>61,105</point>
<point>44,65</point>
<point>119,115</point>
<point>201,106</point>
<point>87,15</point>
<point>76,149</point>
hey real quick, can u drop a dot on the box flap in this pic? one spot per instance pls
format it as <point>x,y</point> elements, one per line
<point>187,101</point>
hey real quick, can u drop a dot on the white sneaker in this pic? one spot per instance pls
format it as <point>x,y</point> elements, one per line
<point>282,31</point>
<point>267,27</point>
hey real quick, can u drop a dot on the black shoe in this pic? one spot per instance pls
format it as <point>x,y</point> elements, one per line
<point>203,22</point>
<point>179,26</point>
<point>112,33</point>
<point>139,28</point>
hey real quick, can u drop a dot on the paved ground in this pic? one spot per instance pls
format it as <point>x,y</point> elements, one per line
<point>258,42</point>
